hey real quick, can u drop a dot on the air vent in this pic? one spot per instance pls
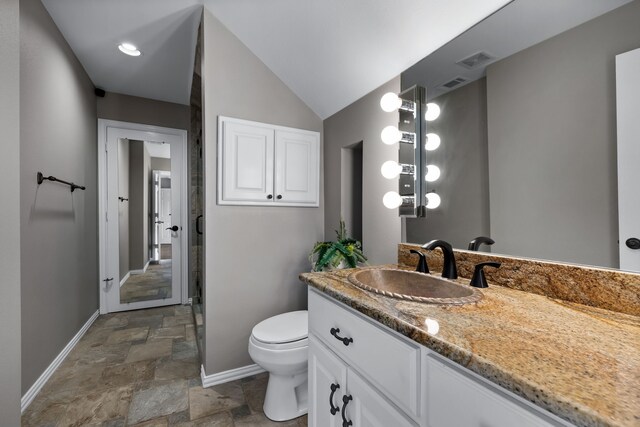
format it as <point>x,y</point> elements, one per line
<point>476,60</point>
<point>453,83</point>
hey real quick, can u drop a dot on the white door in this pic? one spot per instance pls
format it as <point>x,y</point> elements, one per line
<point>327,384</point>
<point>164,211</point>
<point>148,282</point>
<point>628,127</point>
<point>297,162</point>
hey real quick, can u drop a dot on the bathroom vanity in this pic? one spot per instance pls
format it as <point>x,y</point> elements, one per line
<point>512,359</point>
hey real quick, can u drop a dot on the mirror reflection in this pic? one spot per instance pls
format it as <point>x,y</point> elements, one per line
<point>528,130</point>
<point>144,220</point>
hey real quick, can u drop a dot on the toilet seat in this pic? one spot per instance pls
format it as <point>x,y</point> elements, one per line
<point>283,328</point>
<point>281,346</point>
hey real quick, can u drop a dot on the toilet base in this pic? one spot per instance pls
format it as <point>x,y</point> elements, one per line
<point>287,397</point>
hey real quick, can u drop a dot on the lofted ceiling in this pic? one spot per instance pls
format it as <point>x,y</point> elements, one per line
<point>329,52</point>
<point>516,27</point>
<point>164,30</point>
<point>333,52</point>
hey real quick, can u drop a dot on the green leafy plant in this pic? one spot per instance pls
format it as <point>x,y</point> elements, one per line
<point>330,255</point>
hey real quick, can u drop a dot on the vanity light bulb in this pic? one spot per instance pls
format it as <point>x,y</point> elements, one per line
<point>433,111</point>
<point>433,200</point>
<point>392,200</point>
<point>433,142</point>
<point>390,169</point>
<point>433,173</point>
<point>390,102</point>
<point>390,135</point>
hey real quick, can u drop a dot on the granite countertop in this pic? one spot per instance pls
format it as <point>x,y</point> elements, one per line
<point>578,362</point>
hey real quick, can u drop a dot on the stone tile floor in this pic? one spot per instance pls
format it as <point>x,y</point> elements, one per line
<point>141,368</point>
<point>154,283</point>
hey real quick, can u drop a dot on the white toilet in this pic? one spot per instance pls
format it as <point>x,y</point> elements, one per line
<point>280,346</point>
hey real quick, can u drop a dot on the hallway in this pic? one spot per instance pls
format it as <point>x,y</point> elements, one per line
<point>141,368</point>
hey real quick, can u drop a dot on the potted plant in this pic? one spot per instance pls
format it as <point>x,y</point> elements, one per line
<point>346,252</point>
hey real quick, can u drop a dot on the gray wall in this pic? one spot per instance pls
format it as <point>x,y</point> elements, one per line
<point>10,195</point>
<point>140,169</point>
<point>363,121</point>
<point>552,143</point>
<point>160,164</point>
<point>58,229</point>
<point>253,254</point>
<point>123,206</point>
<point>463,161</point>
<point>115,106</point>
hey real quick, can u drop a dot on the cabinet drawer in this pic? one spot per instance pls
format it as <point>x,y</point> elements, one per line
<point>455,398</point>
<point>391,364</point>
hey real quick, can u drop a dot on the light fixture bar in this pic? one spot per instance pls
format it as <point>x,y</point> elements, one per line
<point>408,137</point>
<point>407,106</point>
<point>407,169</point>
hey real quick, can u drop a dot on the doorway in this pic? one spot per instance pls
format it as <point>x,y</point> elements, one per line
<point>143,233</point>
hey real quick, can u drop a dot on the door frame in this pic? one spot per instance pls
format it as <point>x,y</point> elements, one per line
<point>138,131</point>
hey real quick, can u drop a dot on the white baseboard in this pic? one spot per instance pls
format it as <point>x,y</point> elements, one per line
<point>40,382</point>
<point>142,270</point>
<point>124,279</point>
<point>227,376</point>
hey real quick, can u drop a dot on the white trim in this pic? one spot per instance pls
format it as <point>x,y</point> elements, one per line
<point>42,380</point>
<point>141,271</point>
<point>151,133</point>
<point>230,375</point>
<point>124,279</point>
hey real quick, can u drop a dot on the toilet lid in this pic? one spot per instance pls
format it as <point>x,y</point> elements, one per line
<point>286,327</point>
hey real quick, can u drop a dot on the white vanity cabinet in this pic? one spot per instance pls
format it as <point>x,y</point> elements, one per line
<point>267,165</point>
<point>393,381</point>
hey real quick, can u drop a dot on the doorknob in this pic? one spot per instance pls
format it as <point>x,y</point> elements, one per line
<point>633,243</point>
<point>174,228</point>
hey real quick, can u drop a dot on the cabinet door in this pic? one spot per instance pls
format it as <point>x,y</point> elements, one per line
<point>456,399</point>
<point>246,163</point>
<point>297,167</point>
<point>327,382</point>
<point>367,408</point>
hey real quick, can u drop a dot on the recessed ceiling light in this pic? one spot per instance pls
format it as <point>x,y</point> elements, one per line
<point>129,49</point>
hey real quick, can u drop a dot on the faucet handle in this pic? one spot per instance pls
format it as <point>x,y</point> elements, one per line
<point>422,266</point>
<point>479,280</point>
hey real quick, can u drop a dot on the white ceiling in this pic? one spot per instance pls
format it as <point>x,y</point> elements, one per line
<point>164,30</point>
<point>158,149</point>
<point>329,52</point>
<point>332,52</point>
<point>517,26</point>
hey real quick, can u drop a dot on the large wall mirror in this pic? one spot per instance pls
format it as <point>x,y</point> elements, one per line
<point>528,129</point>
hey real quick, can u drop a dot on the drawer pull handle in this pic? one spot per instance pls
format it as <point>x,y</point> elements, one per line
<point>345,340</point>
<point>333,409</point>
<point>345,401</point>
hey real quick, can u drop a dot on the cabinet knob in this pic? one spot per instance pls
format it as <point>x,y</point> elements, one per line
<point>633,243</point>
<point>279,196</point>
<point>270,196</point>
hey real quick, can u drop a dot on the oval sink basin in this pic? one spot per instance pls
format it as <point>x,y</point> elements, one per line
<point>412,286</point>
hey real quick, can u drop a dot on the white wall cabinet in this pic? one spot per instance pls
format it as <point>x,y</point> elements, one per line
<point>394,381</point>
<point>266,165</point>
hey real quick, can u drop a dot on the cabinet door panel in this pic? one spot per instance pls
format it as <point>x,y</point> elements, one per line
<point>247,166</point>
<point>370,409</point>
<point>297,167</point>
<point>325,370</point>
<point>454,399</point>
